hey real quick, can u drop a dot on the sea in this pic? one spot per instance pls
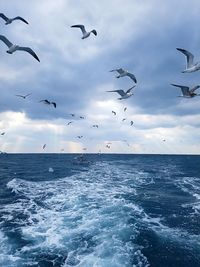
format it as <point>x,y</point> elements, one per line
<point>105,210</point>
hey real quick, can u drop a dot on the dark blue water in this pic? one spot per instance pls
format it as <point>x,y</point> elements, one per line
<point>108,211</point>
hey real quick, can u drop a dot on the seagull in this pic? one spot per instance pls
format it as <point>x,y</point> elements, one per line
<point>9,20</point>
<point>44,146</point>
<point>23,96</point>
<point>114,112</point>
<point>186,91</point>
<point>190,66</point>
<point>13,48</point>
<point>131,123</point>
<point>123,73</point>
<point>72,114</point>
<point>47,102</point>
<point>79,136</point>
<point>123,94</point>
<point>81,117</point>
<point>2,133</point>
<point>107,146</point>
<point>125,109</point>
<point>124,119</point>
<point>95,126</point>
<point>84,32</point>
<point>69,122</point>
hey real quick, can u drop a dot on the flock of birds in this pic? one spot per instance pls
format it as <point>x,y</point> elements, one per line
<point>187,92</point>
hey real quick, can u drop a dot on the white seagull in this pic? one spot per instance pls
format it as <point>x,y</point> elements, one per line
<point>13,48</point>
<point>123,73</point>
<point>190,65</point>
<point>10,20</point>
<point>123,94</point>
<point>84,32</point>
<point>187,91</point>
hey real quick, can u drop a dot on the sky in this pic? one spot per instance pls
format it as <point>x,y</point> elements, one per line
<point>139,36</point>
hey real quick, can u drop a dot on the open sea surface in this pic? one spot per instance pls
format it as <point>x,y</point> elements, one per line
<point>108,211</point>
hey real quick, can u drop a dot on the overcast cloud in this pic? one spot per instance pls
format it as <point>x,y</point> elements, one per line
<point>140,36</point>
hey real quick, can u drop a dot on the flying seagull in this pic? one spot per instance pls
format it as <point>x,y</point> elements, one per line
<point>80,136</point>
<point>187,91</point>
<point>123,73</point>
<point>131,123</point>
<point>125,109</point>
<point>123,94</point>
<point>69,122</point>
<point>84,32</point>
<point>190,65</point>
<point>47,102</point>
<point>114,112</point>
<point>72,114</point>
<point>124,119</point>
<point>44,146</point>
<point>81,117</point>
<point>23,96</point>
<point>95,126</point>
<point>2,133</point>
<point>10,20</point>
<point>13,48</point>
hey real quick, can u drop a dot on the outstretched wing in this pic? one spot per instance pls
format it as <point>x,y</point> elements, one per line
<point>20,96</point>
<point>82,27</point>
<point>132,76</point>
<point>29,50</point>
<point>185,89</point>
<point>45,101</point>
<point>54,104</point>
<point>6,41</point>
<point>120,92</point>
<point>128,91</point>
<point>194,88</point>
<point>4,17</point>
<point>20,18</point>
<point>120,71</point>
<point>95,32</point>
<point>189,57</point>
<point>28,95</point>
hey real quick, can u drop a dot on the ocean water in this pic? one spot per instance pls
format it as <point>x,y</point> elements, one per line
<point>107,211</point>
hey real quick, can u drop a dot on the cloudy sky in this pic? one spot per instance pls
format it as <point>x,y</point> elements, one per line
<point>140,36</point>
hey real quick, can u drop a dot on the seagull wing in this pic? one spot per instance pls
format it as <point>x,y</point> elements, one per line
<point>4,17</point>
<point>120,71</point>
<point>95,32</point>
<point>20,18</point>
<point>28,95</point>
<point>132,76</point>
<point>184,89</point>
<point>194,88</point>
<point>128,91</point>
<point>20,96</point>
<point>189,57</point>
<point>120,92</point>
<point>82,27</point>
<point>29,50</point>
<point>45,101</point>
<point>6,41</point>
<point>54,104</point>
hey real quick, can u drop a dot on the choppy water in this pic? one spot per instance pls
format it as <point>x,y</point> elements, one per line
<point>114,211</point>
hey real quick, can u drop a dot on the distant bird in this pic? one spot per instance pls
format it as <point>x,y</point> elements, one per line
<point>164,140</point>
<point>69,122</point>
<point>131,123</point>
<point>81,117</point>
<point>124,119</point>
<point>186,91</point>
<point>2,133</point>
<point>47,102</point>
<point>10,20</point>
<point>13,48</point>
<point>95,126</point>
<point>85,148</point>
<point>23,96</point>
<point>114,112</point>
<point>123,94</point>
<point>84,32</point>
<point>72,114</point>
<point>107,146</point>
<point>190,65</point>
<point>123,73</point>
<point>44,146</point>
<point>80,136</point>
<point>125,109</point>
